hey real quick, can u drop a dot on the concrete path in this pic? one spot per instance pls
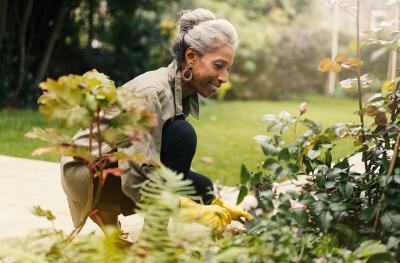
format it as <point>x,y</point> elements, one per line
<point>25,183</point>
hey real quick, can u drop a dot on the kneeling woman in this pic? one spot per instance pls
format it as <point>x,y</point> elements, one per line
<point>203,52</point>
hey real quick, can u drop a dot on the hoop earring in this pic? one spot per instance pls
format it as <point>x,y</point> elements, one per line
<point>187,74</point>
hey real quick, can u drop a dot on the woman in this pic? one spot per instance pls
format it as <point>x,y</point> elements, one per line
<point>203,52</point>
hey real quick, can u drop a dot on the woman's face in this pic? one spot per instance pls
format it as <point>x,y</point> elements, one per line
<point>210,69</point>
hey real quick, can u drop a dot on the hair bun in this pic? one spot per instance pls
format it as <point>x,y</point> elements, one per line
<point>190,18</point>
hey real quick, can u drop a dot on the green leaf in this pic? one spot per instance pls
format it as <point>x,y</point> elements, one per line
<point>327,157</point>
<point>369,213</point>
<point>281,174</point>
<point>278,139</point>
<point>309,167</point>
<point>300,215</point>
<point>261,139</point>
<point>306,198</point>
<point>269,149</point>
<point>393,242</point>
<point>284,116</point>
<point>244,174</point>
<point>346,189</point>
<point>320,180</point>
<point>337,207</point>
<point>271,164</point>
<point>346,231</point>
<point>242,194</point>
<point>50,135</point>
<point>388,86</point>
<point>386,221</point>
<point>256,178</point>
<point>293,167</point>
<point>284,155</point>
<point>396,178</point>
<point>325,219</point>
<point>330,184</point>
<point>319,207</point>
<point>38,211</point>
<point>313,154</point>
<point>275,126</point>
<point>370,248</point>
<point>315,127</point>
<point>268,117</point>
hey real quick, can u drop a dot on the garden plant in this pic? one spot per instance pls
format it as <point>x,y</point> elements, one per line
<point>335,213</point>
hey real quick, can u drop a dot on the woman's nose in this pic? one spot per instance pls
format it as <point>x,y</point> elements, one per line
<point>223,77</point>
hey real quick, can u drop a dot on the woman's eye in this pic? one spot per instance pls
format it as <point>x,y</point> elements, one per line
<point>218,66</point>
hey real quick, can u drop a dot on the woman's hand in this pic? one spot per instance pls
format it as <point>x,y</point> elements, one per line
<point>235,211</point>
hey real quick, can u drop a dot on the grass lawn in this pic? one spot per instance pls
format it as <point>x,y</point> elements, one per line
<point>224,131</point>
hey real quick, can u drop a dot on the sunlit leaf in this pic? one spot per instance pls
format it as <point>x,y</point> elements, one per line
<point>341,58</point>
<point>262,139</point>
<point>268,117</point>
<point>353,62</point>
<point>325,65</point>
<point>313,154</point>
<point>347,83</point>
<point>388,86</point>
<point>336,68</point>
<point>369,248</point>
<point>67,150</point>
<point>44,150</point>
<point>51,135</point>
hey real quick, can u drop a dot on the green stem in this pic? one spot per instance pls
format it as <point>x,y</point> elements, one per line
<point>360,104</point>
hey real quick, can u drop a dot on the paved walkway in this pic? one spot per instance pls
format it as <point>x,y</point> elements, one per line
<point>26,183</point>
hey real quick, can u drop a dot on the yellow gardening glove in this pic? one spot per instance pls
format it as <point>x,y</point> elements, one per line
<point>212,216</point>
<point>235,211</point>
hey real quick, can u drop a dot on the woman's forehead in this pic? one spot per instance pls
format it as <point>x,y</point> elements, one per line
<point>224,53</point>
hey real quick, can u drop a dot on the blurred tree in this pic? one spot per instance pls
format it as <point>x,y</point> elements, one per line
<point>49,38</point>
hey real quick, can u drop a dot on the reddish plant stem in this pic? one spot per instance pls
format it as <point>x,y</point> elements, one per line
<point>92,204</point>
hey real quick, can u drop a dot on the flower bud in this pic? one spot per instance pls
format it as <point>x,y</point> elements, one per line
<point>303,108</point>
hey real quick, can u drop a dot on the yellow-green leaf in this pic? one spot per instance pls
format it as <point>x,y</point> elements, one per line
<point>388,86</point>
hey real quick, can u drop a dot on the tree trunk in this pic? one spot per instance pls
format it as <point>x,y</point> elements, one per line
<point>90,30</point>
<point>64,11</point>
<point>3,19</point>
<point>22,48</point>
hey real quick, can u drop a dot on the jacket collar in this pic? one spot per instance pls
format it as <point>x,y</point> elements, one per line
<point>189,105</point>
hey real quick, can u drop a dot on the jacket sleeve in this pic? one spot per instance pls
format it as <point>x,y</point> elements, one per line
<point>149,145</point>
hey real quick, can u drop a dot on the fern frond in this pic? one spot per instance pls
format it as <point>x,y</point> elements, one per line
<point>160,202</point>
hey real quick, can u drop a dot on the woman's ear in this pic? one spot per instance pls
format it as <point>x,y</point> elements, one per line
<point>191,56</point>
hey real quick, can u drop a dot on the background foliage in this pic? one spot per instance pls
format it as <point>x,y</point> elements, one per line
<point>125,38</point>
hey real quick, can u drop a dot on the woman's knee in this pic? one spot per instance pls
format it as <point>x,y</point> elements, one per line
<point>179,135</point>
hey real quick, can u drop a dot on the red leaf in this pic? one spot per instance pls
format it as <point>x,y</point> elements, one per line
<point>113,171</point>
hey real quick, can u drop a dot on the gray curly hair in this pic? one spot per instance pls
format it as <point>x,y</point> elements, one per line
<point>200,30</point>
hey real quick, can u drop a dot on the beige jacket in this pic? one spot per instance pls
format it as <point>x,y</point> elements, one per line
<point>163,92</point>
